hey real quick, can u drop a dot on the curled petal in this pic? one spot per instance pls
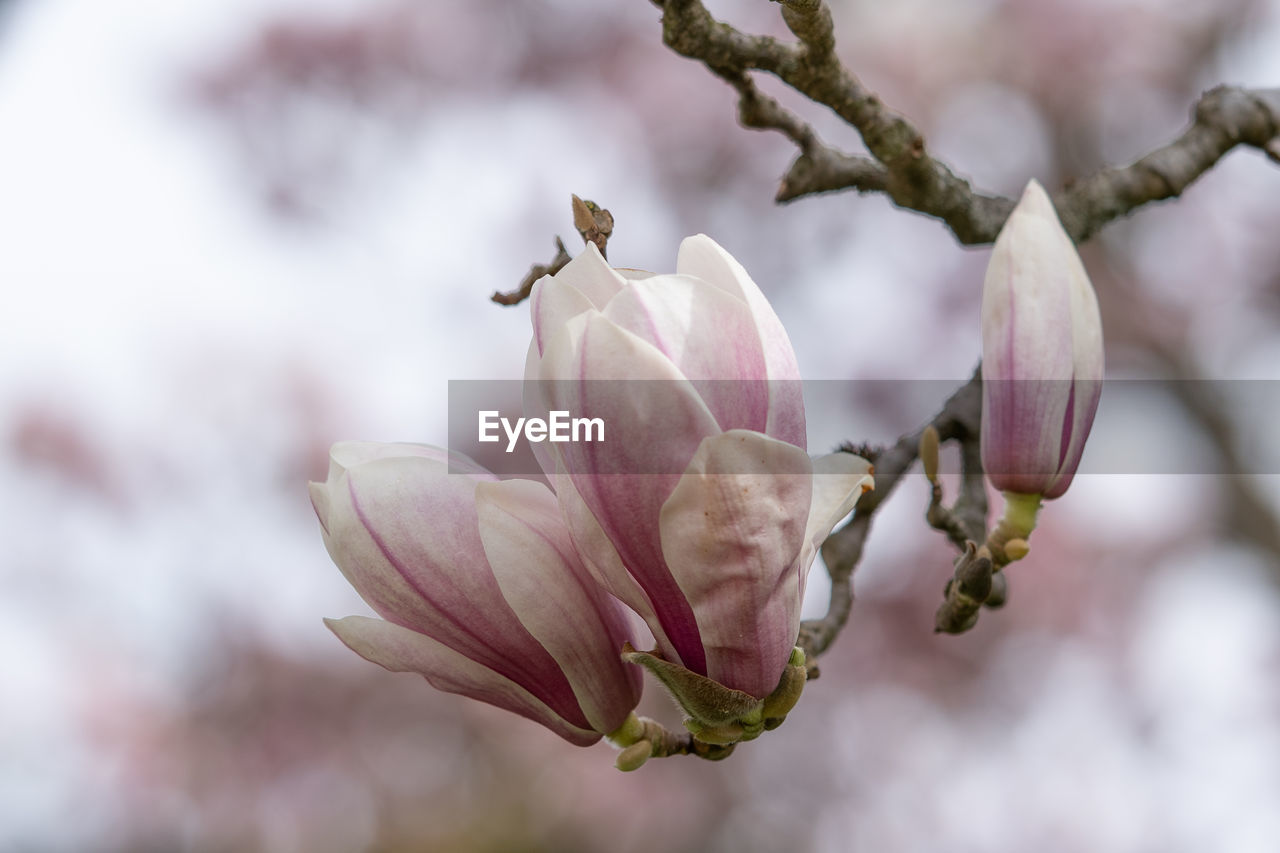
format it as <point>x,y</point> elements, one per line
<point>653,428</point>
<point>1086,393</point>
<point>731,532</point>
<point>401,650</point>
<point>1087,373</point>
<point>553,303</point>
<point>601,559</point>
<point>839,479</point>
<point>537,404</point>
<point>405,534</point>
<point>543,581</point>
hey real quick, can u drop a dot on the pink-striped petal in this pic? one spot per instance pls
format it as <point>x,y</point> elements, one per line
<point>1042,352</point>
<point>711,338</point>
<point>405,534</point>
<point>1087,371</point>
<point>542,579</point>
<point>401,650</point>
<point>704,258</point>
<point>654,421</point>
<point>600,558</point>
<point>1084,405</point>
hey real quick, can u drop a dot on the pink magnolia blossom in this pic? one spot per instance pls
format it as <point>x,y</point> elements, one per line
<point>479,586</point>
<point>701,510</point>
<point>1042,359</point>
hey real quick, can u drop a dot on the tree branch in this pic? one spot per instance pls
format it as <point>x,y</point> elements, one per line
<point>819,167</point>
<point>903,170</point>
<point>913,179</point>
<point>959,419</point>
<point>537,271</point>
<point>593,223</point>
<point>1223,118</point>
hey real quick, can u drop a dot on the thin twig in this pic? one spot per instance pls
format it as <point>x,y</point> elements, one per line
<point>593,223</point>
<point>537,271</point>
<point>960,416</point>
<point>819,167</point>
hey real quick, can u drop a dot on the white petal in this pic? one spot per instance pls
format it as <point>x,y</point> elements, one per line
<point>405,534</point>
<point>731,533</point>
<point>602,561</point>
<point>591,274</point>
<point>653,425</point>
<point>552,303</point>
<point>702,257</point>
<point>839,479</point>
<point>708,334</point>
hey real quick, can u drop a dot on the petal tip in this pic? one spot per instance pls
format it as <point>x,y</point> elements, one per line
<point>319,493</point>
<point>1035,200</point>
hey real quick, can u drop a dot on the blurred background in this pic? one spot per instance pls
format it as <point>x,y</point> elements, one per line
<point>234,232</point>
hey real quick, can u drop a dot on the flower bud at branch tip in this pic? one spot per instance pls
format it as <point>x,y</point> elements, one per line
<point>1042,353</point>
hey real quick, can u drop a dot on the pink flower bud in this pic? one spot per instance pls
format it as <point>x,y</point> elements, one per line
<point>479,586</point>
<point>1042,361</point>
<point>702,510</point>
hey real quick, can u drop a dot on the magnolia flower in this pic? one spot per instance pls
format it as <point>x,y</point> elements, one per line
<point>479,586</point>
<point>701,510</point>
<point>1041,354</point>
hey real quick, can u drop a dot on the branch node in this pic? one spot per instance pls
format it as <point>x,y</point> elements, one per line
<point>593,223</point>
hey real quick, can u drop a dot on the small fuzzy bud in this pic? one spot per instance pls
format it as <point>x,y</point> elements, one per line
<point>634,756</point>
<point>1016,549</point>
<point>929,452</point>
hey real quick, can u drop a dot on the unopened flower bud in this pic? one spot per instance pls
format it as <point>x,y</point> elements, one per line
<point>1042,359</point>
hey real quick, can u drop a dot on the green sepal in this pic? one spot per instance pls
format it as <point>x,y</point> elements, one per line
<point>721,735</point>
<point>708,704</point>
<point>780,702</point>
<point>720,715</point>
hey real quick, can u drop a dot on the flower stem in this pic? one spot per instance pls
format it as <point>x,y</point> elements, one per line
<point>1020,512</point>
